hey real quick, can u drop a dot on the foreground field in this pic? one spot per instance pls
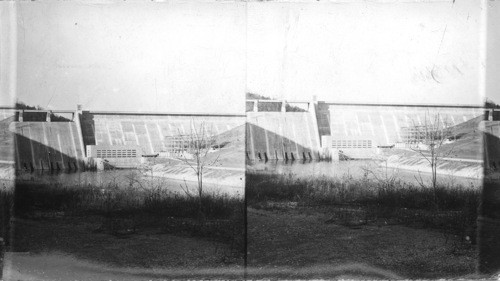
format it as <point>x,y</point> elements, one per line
<point>151,251</point>
<point>123,228</point>
<point>305,243</point>
<point>62,267</point>
<point>356,228</point>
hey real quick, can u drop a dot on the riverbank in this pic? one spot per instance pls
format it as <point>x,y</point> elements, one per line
<point>448,167</point>
<point>215,175</point>
<point>377,170</point>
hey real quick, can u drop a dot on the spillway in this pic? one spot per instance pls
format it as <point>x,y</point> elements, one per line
<point>48,146</point>
<point>282,136</point>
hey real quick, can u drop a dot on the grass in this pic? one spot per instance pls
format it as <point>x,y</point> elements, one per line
<point>6,205</point>
<point>113,199</point>
<point>450,208</point>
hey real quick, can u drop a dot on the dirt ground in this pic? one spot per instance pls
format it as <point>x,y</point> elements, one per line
<point>303,242</point>
<point>62,267</point>
<point>78,243</point>
<point>295,242</point>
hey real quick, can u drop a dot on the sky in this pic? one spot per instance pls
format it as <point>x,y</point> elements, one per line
<point>492,57</point>
<point>204,56</point>
<point>132,56</point>
<point>411,52</point>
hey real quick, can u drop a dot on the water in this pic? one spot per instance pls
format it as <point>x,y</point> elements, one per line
<point>357,169</point>
<point>125,178</point>
<point>373,169</point>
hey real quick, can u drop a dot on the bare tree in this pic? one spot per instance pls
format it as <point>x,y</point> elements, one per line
<point>383,175</point>
<point>194,150</point>
<point>427,139</point>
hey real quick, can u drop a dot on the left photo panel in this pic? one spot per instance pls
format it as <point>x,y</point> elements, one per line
<point>122,140</point>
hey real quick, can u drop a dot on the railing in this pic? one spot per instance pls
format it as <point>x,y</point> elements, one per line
<point>252,105</point>
<point>21,113</point>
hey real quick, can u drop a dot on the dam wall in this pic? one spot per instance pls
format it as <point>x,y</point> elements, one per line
<point>275,130</point>
<point>47,146</point>
<point>64,145</point>
<point>387,125</point>
<point>282,136</point>
<point>358,130</point>
<point>151,133</point>
<point>281,130</point>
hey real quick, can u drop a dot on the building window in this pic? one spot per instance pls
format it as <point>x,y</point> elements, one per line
<point>351,143</point>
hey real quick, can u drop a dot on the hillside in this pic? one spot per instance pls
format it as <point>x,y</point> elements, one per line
<point>272,107</point>
<point>468,142</point>
<point>232,147</point>
<point>38,116</point>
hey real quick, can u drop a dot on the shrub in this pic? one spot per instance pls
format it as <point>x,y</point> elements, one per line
<point>396,200</point>
<point>6,205</point>
<point>111,199</point>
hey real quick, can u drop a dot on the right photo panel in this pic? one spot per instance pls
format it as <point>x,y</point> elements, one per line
<point>364,141</point>
<point>489,214</point>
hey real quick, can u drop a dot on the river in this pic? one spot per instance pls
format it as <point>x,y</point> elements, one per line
<point>124,177</point>
<point>355,168</point>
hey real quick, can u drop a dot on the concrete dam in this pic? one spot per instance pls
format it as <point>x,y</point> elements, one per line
<point>121,138</point>
<point>316,130</point>
<point>48,146</point>
<point>282,135</point>
<point>275,130</point>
